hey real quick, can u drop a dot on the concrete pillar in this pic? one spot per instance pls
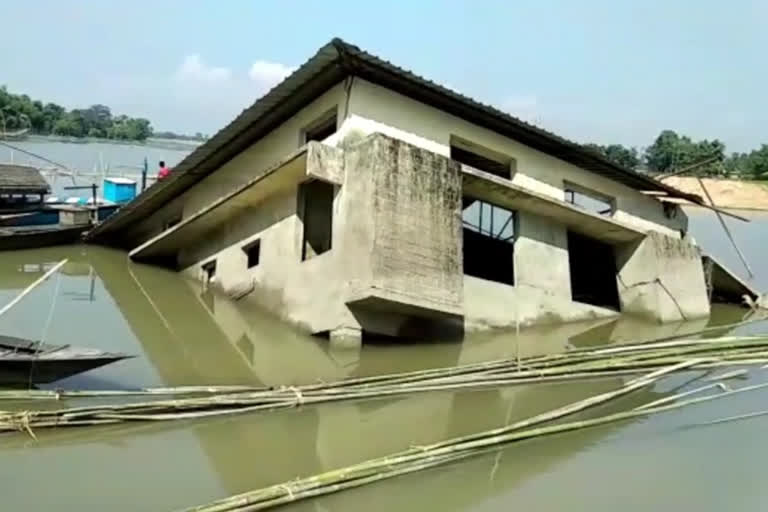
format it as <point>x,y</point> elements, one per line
<point>346,338</point>
<point>662,279</point>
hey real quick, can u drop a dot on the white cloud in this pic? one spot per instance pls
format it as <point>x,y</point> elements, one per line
<point>267,74</point>
<point>193,68</point>
<point>195,96</point>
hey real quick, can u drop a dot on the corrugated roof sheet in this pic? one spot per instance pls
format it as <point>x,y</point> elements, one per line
<point>330,65</point>
<point>22,179</point>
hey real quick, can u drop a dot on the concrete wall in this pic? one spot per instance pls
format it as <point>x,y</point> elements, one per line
<point>415,201</point>
<point>489,305</point>
<point>309,294</point>
<point>373,108</point>
<point>542,290</point>
<point>661,278</point>
<point>396,225</point>
<point>541,255</point>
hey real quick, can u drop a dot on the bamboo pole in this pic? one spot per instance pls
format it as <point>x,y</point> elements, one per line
<point>690,355</point>
<point>32,286</point>
<point>423,458</point>
<point>725,228</point>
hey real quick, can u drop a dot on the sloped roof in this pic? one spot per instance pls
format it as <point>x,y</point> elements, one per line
<point>21,179</point>
<point>329,66</point>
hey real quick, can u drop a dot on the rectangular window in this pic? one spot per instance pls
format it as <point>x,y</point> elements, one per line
<point>209,271</point>
<point>589,200</point>
<point>316,214</point>
<point>321,129</point>
<point>482,158</point>
<point>489,238</point>
<point>252,253</point>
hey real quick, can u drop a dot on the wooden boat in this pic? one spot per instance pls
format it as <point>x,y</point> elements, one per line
<point>24,362</point>
<point>32,237</point>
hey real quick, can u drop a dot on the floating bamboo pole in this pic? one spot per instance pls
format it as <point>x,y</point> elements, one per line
<point>419,458</point>
<point>205,402</point>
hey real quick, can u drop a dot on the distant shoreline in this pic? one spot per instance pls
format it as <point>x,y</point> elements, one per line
<point>183,145</point>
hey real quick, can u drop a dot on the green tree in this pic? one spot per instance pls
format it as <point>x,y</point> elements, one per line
<point>623,156</point>
<point>671,151</point>
<point>20,111</point>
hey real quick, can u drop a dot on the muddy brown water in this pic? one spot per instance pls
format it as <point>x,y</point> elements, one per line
<point>183,336</point>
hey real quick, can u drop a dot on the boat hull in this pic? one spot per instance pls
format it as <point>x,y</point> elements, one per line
<point>31,238</point>
<point>24,362</point>
<point>42,371</point>
<point>46,216</point>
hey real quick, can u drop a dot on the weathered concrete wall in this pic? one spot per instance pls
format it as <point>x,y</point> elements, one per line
<point>661,278</point>
<point>416,209</point>
<point>396,255</point>
<point>309,294</point>
<point>541,255</point>
<point>376,109</point>
<point>396,225</point>
<point>489,305</point>
<point>244,167</point>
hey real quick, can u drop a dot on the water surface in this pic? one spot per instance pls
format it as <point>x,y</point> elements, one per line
<point>185,336</point>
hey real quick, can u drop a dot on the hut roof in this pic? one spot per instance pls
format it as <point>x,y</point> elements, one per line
<point>21,179</point>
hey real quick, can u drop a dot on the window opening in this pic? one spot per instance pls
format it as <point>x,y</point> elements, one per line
<point>489,233</point>
<point>588,200</point>
<point>316,213</point>
<point>209,271</point>
<point>253,253</point>
<point>321,130</point>
<point>593,272</point>
<point>482,158</point>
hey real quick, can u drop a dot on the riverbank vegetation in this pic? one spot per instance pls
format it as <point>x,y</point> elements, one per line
<point>19,112</point>
<point>672,151</point>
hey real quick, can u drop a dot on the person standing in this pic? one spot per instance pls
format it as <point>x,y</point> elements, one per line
<point>163,172</point>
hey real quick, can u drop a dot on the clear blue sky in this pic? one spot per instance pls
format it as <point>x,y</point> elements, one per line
<point>591,70</point>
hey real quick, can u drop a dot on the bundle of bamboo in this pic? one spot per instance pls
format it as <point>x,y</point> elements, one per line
<point>453,450</point>
<point>701,354</point>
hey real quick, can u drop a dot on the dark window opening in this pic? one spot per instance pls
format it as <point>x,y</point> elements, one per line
<point>593,272</point>
<point>489,241</point>
<point>316,213</point>
<point>591,201</point>
<point>253,253</point>
<point>481,158</point>
<point>209,270</point>
<point>321,130</point>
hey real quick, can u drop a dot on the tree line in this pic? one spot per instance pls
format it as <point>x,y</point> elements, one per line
<point>672,151</point>
<point>19,111</point>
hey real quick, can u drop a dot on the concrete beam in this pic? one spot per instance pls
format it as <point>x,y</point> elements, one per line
<point>487,187</point>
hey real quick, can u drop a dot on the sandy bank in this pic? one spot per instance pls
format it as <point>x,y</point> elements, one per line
<point>742,195</point>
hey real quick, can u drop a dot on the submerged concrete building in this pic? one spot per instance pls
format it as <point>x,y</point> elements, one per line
<point>356,197</point>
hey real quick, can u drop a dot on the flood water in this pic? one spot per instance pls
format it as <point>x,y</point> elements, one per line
<point>183,336</point>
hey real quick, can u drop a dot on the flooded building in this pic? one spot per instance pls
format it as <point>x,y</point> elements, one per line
<point>356,197</point>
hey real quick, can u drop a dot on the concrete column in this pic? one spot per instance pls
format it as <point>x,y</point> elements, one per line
<point>662,279</point>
